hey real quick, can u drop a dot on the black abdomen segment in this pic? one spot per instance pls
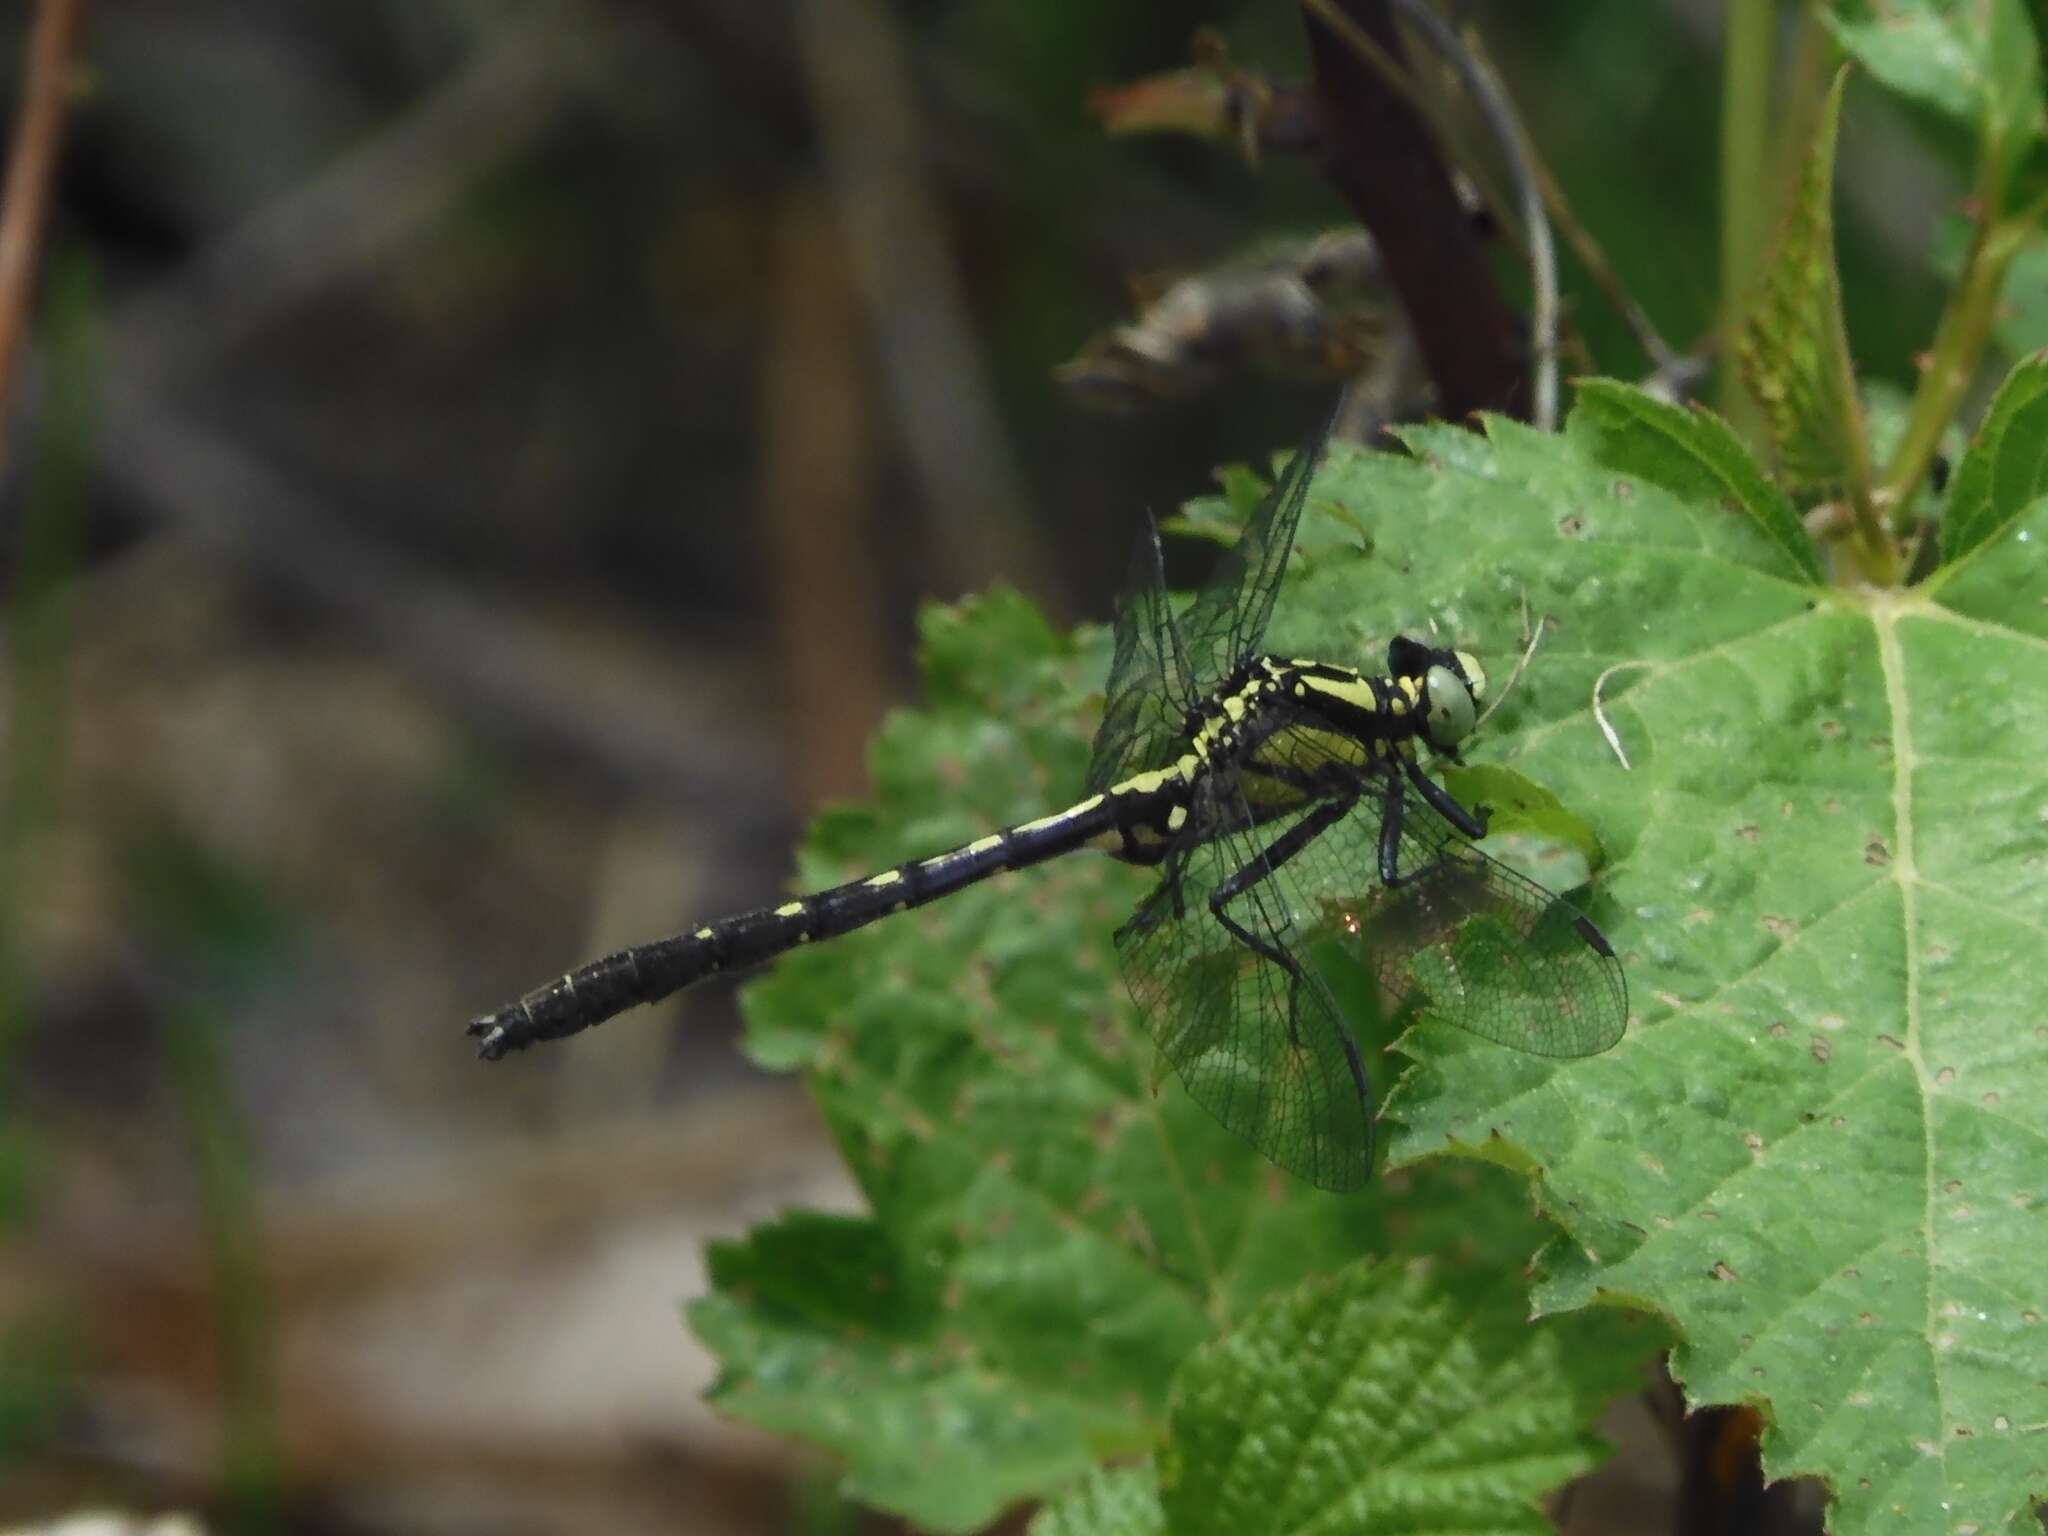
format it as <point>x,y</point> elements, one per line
<point>648,972</point>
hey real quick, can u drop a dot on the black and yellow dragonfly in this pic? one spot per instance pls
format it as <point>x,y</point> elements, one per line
<point>1284,805</point>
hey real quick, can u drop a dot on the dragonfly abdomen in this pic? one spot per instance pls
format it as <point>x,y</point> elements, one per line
<point>646,973</point>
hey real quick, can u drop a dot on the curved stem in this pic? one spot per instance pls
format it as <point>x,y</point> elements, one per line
<point>31,169</point>
<point>1959,343</point>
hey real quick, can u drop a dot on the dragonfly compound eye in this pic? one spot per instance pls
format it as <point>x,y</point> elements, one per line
<point>1475,675</point>
<point>1451,713</point>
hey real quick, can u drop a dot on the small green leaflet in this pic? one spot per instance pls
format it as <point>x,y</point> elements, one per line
<point>1795,349</point>
<point>2006,466</point>
<point>1691,453</point>
<point>1975,63</point>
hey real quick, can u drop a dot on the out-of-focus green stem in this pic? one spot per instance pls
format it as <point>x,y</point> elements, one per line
<point>1959,342</point>
<point>252,1463</point>
<point>38,635</point>
<point>1745,192</point>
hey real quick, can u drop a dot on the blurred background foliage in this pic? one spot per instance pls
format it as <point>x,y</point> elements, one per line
<point>467,507</point>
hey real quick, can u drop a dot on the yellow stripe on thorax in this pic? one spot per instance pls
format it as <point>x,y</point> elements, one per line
<point>1182,770</point>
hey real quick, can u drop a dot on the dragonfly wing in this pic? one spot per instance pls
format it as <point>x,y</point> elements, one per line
<point>1150,685</point>
<point>1473,941</point>
<point>1162,667</point>
<point>1228,619</point>
<point>1253,1031</point>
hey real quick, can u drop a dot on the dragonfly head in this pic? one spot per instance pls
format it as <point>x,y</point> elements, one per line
<point>1453,687</point>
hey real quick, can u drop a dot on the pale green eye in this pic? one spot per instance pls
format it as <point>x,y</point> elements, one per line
<point>1450,707</point>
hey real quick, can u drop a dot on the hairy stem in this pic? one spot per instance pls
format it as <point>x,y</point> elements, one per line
<point>1959,342</point>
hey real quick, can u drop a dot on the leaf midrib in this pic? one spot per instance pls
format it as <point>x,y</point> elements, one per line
<point>1903,867</point>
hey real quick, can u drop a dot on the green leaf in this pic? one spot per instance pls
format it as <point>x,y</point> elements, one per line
<point>1822,1147</point>
<point>1692,453</point>
<point>928,1432</point>
<point>1795,349</point>
<point>2006,466</point>
<point>1528,827</point>
<point>2022,324</point>
<point>1975,63</point>
<point>1390,1397</point>
<point>1123,1502</point>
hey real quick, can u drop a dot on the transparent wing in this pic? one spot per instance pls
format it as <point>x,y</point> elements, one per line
<point>1161,668</point>
<point>1229,617</point>
<point>1248,1018</point>
<point>1464,936</point>
<point>1252,1029</point>
<point>1150,687</point>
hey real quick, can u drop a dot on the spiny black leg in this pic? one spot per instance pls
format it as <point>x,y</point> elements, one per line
<point>1146,918</point>
<point>1258,946</point>
<point>1472,825</point>
<point>1282,848</point>
<point>1277,853</point>
<point>1390,832</point>
<point>1274,953</point>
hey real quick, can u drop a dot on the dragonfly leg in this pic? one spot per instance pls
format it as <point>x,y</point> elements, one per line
<point>1151,910</point>
<point>1283,848</point>
<point>1279,851</point>
<point>1471,823</point>
<point>1395,809</point>
<point>1390,831</point>
<point>1270,859</point>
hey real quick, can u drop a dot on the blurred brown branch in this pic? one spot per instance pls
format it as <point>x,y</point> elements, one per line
<point>1381,155</point>
<point>31,166</point>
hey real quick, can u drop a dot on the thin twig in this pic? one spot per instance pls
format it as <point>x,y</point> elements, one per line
<point>1383,156</point>
<point>1666,361</point>
<point>31,167</point>
<point>817,498</point>
<point>1600,711</point>
<point>1535,635</point>
<point>1486,90</point>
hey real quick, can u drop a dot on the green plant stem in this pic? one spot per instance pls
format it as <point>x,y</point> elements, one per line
<point>1875,551</point>
<point>1745,129</point>
<point>1959,342</point>
<point>38,636</point>
<point>252,1462</point>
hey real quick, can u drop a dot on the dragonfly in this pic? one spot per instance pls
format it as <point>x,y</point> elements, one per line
<point>1283,805</point>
